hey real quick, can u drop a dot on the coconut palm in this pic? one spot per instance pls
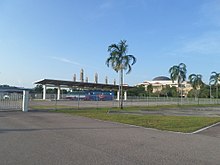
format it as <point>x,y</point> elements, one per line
<point>196,82</point>
<point>120,61</point>
<point>214,80</point>
<point>178,72</point>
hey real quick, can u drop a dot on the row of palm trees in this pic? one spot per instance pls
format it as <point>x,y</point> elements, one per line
<point>120,62</point>
<point>178,72</point>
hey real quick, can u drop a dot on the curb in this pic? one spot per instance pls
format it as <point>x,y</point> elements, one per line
<point>205,128</point>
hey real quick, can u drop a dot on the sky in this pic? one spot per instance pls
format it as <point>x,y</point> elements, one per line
<point>55,39</point>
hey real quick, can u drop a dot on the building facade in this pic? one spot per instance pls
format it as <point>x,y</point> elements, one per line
<point>160,82</point>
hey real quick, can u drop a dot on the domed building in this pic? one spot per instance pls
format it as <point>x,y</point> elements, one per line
<point>161,78</point>
<point>159,82</point>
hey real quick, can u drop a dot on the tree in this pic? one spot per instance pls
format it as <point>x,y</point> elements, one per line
<point>169,91</point>
<point>120,61</point>
<point>150,89</point>
<point>196,82</point>
<point>38,89</point>
<point>214,80</point>
<point>178,72</point>
<point>173,92</point>
<point>137,91</point>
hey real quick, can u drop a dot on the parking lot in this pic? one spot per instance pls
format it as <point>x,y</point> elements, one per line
<point>55,138</point>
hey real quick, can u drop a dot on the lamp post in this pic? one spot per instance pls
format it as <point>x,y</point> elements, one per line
<point>210,92</point>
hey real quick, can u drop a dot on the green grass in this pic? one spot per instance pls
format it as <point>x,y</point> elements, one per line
<point>184,124</point>
<point>132,108</point>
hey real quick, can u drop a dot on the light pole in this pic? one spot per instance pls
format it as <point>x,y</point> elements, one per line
<point>210,92</point>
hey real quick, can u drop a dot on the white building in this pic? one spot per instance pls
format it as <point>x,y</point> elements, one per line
<point>160,82</point>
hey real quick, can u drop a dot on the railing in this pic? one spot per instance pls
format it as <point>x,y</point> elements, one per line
<point>11,101</point>
<point>131,101</point>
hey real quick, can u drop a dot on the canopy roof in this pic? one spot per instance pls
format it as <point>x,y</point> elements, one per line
<point>72,84</point>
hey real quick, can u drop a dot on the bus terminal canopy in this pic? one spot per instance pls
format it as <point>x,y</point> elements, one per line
<point>75,84</point>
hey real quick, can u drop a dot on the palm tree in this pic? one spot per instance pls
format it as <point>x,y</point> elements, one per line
<point>196,82</point>
<point>120,61</point>
<point>214,79</point>
<point>178,72</point>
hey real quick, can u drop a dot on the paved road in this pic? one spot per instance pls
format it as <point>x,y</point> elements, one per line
<point>61,139</point>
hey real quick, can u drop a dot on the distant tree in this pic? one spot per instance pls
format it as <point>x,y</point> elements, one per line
<point>173,92</point>
<point>120,61</point>
<point>150,89</point>
<point>214,80</point>
<point>137,91</point>
<point>205,91</point>
<point>169,91</point>
<point>165,90</point>
<point>178,72</point>
<point>196,82</point>
<point>52,91</point>
<point>38,89</point>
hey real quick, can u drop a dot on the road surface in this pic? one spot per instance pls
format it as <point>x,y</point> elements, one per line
<point>62,139</point>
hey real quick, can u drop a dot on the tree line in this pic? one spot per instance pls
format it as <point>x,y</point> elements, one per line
<point>178,73</point>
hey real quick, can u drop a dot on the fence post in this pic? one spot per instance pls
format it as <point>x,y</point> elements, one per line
<point>25,101</point>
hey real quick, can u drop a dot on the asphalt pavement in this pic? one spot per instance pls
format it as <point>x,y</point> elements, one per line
<point>61,139</point>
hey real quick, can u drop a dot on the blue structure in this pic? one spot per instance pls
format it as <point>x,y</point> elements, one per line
<point>91,95</point>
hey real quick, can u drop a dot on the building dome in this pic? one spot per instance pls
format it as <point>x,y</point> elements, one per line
<point>161,78</point>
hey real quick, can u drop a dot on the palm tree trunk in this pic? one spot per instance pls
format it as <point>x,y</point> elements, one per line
<point>181,89</point>
<point>121,89</point>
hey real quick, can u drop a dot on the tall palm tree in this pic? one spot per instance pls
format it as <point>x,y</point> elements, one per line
<point>178,72</point>
<point>196,82</point>
<point>214,80</point>
<point>120,61</point>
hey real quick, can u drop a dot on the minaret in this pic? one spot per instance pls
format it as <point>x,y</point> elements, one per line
<point>114,82</point>
<point>74,77</point>
<point>106,80</point>
<point>96,78</point>
<point>82,75</point>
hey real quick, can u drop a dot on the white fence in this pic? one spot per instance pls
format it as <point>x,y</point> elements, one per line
<point>11,101</point>
<point>14,101</point>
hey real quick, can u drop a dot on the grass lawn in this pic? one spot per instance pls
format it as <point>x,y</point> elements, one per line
<point>184,124</point>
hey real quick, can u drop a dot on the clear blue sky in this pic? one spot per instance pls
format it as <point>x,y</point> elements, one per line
<point>56,38</point>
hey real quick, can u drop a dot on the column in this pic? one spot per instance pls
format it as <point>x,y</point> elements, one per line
<point>58,93</point>
<point>44,92</point>
<point>118,95</point>
<point>25,101</point>
<point>125,95</point>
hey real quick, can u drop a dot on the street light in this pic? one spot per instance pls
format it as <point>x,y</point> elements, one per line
<point>210,91</point>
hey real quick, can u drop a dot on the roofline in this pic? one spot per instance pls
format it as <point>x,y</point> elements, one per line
<point>79,84</point>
